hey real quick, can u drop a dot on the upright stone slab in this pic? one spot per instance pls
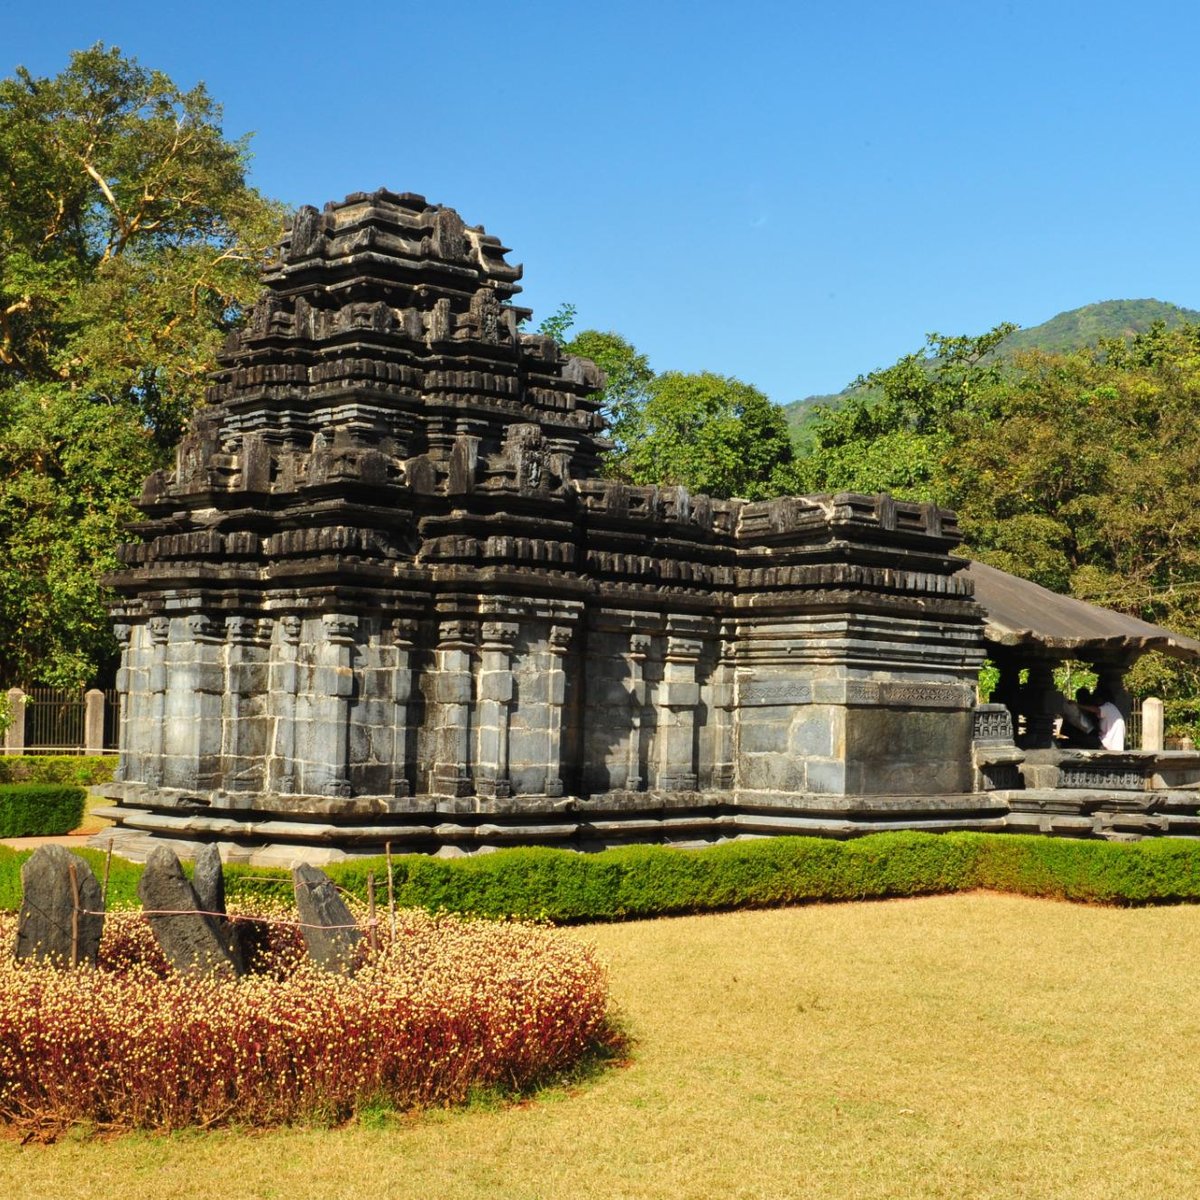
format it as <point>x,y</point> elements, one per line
<point>45,929</point>
<point>193,943</point>
<point>208,880</point>
<point>328,926</point>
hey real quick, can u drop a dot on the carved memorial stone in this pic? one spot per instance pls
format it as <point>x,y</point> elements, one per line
<point>208,881</point>
<point>192,942</point>
<point>330,932</point>
<point>60,922</point>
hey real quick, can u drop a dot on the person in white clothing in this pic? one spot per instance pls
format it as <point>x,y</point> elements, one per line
<point>1110,722</point>
<point>1112,725</point>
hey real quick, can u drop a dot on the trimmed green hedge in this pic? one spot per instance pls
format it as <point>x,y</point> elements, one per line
<point>649,881</point>
<point>76,769</point>
<point>39,809</point>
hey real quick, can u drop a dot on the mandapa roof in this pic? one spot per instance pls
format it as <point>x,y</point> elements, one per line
<point>1020,613</point>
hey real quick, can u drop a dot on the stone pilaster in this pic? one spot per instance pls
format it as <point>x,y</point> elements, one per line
<point>1041,706</point>
<point>160,634</point>
<point>560,640</point>
<point>723,705</point>
<point>14,735</point>
<point>242,767</point>
<point>201,700</point>
<point>495,696</point>
<point>283,682</point>
<point>639,649</point>
<point>123,632</point>
<point>1008,687</point>
<point>327,764</point>
<point>679,697</point>
<point>452,695</point>
<point>404,634</point>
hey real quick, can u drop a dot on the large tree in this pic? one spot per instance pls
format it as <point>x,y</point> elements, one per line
<point>1080,471</point>
<point>628,379</point>
<point>711,433</point>
<point>894,430</point>
<point>129,246</point>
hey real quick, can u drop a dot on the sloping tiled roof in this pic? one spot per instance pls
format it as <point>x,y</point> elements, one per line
<point>1020,613</point>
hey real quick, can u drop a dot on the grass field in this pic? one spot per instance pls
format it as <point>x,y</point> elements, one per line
<point>964,1046</point>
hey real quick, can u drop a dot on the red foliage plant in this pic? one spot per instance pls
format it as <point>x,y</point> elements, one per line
<point>446,1006</point>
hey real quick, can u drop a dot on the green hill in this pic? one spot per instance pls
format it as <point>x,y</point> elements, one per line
<point>1068,331</point>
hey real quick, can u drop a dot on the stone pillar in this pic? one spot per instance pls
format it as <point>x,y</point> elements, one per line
<point>556,716</point>
<point>1041,707</point>
<point>14,735</point>
<point>495,696</point>
<point>404,632</point>
<point>1153,723</point>
<point>283,682</point>
<point>639,648</point>
<point>195,704</point>
<point>93,721</point>
<point>678,700</point>
<point>723,704</point>
<point>333,686</point>
<point>160,634</point>
<point>123,633</point>
<point>452,694</point>
<point>241,766</point>
<point>1008,688</point>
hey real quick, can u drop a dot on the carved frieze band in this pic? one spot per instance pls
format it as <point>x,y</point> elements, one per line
<point>993,723</point>
<point>1096,775</point>
<point>889,694</point>
<point>791,691</point>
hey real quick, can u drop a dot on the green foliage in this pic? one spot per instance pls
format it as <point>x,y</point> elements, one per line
<point>892,433</point>
<point>1079,471</point>
<point>39,809</point>
<point>1065,333</point>
<point>542,883</point>
<point>706,432</point>
<point>710,433</point>
<point>628,379</point>
<point>1155,871</point>
<point>129,245</point>
<point>989,679</point>
<point>78,770</point>
<point>558,322</point>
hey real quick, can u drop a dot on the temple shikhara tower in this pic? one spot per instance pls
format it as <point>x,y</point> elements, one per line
<point>385,595</point>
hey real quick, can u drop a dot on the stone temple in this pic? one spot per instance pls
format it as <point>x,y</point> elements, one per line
<point>386,596</point>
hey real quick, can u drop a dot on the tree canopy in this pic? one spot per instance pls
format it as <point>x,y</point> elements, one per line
<point>129,246</point>
<point>711,433</point>
<point>707,432</point>
<point>1078,470</point>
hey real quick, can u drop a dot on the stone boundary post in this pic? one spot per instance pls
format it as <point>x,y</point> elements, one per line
<point>93,721</point>
<point>14,736</point>
<point>1152,724</point>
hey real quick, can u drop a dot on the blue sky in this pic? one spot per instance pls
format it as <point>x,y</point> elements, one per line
<point>790,193</point>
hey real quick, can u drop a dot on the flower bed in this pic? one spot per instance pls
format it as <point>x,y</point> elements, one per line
<point>447,1006</point>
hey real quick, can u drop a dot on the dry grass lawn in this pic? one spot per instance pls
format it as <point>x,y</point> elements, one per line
<point>965,1046</point>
